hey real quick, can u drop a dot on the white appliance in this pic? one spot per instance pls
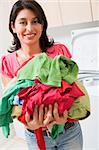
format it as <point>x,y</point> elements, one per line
<point>85,48</point>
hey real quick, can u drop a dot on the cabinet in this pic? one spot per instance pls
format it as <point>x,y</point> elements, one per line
<point>66,12</point>
<point>52,12</point>
<point>75,11</point>
<point>95,9</point>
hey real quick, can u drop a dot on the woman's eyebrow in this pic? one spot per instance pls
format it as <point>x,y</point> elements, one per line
<point>26,18</point>
<point>35,18</point>
<point>22,18</point>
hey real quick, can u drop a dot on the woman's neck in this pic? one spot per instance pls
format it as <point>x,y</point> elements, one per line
<point>29,51</point>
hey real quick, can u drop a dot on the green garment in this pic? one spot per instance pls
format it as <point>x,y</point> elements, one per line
<point>56,129</point>
<point>81,106</point>
<point>6,103</point>
<point>49,71</point>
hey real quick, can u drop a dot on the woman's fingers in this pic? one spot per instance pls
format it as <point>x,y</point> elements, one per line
<point>45,112</point>
<point>65,114</point>
<point>55,112</point>
<point>27,117</point>
<point>49,113</point>
<point>41,114</point>
<point>36,113</point>
<point>60,119</point>
<point>48,116</point>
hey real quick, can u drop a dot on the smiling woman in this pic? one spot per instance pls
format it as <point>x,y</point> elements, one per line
<point>28,25</point>
<point>33,21</point>
<point>28,29</point>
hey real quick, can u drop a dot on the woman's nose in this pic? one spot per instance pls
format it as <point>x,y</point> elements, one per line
<point>29,26</point>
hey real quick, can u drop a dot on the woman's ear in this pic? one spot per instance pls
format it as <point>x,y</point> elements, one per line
<point>13,27</point>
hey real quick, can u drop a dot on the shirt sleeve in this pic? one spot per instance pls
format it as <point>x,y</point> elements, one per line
<point>59,49</point>
<point>5,67</point>
<point>63,50</point>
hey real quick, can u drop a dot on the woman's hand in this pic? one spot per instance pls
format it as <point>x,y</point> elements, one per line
<point>45,117</point>
<point>53,117</point>
<point>59,119</point>
<point>37,121</point>
<point>48,115</point>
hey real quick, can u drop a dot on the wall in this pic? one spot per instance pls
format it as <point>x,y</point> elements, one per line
<point>5,36</point>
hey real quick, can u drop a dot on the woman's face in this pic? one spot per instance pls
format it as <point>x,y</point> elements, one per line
<point>27,27</point>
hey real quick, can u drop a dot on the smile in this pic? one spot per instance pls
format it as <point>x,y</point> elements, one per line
<point>30,35</point>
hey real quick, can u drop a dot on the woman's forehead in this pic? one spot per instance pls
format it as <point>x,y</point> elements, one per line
<point>26,13</point>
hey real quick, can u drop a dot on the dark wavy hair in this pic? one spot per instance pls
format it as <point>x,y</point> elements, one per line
<point>37,9</point>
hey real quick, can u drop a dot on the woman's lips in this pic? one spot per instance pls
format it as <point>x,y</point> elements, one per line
<point>30,35</point>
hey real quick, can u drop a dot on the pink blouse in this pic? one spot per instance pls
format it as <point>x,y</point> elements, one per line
<point>10,64</point>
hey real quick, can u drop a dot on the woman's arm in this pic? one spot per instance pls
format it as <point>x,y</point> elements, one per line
<point>5,80</point>
<point>37,120</point>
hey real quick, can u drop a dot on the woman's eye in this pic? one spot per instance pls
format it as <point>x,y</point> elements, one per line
<point>35,21</point>
<point>23,22</point>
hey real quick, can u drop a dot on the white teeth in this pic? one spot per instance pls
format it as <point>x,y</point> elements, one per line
<point>30,35</point>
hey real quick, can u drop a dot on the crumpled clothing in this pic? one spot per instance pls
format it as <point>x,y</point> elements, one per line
<point>49,71</point>
<point>6,103</point>
<point>43,94</point>
<point>16,111</point>
<point>81,107</point>
<point>17,101</point>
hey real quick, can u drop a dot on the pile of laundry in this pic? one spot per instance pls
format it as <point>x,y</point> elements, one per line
<point>44,80</point>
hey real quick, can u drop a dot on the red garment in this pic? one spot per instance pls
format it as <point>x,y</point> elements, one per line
<point>44,94</point>
<point>40,139</point>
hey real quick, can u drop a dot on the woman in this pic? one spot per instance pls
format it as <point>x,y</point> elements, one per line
<point>28,26</point>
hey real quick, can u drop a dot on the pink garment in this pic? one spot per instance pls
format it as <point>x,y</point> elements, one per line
<point>10,64</point>
<point>43,94</point>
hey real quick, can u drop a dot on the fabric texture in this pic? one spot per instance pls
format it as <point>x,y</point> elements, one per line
<point>7,67</point>
<point>49,71</point>
<point>43,94</point>
<point>81,107</point>
<point>6,103</point>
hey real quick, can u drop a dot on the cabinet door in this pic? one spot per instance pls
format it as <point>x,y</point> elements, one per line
<point>75,11</point>
<point>95,9</point>
<point>52,12</point>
